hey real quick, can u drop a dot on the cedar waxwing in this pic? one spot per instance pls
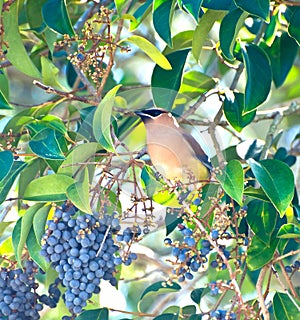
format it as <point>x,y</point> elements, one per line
<point>174,153</point>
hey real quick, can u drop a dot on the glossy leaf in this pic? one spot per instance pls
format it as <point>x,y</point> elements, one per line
<point>232,180</point>
<point>160,287</point>
<point>258,76</point>
<point>282,54</point>
<point>120,4</point>
<point>229,29</point>
<point>166,83</point>
<point>233,110</point>
<point>284,307</point>
<point>294,26</point>
<point>193,7</point>
<point>48,188</point>
<point>167,316</point>
<point>219,5</point>
<point>256,193</point>
<point>262,217</point>
<point>39,222</point>
<point>277,181</point>
<point>6,162</point>
<point>22,229</point>
<point>172,220</point>
<point>97,314</point>
<point>201,32</point>
<point>34,14</point>
<point>181,40</point>
<point>3,226</point>
<point>102,120</point>
<point>16,52</point>
<point>11,177</point>
<point>34,249</point>
<point>195,83</point>
<point>46,145</point>
<point>4,104</point>
<point>258,8</point>
<point>162,15</point>
<point>56,17</point>
<point>78,193</point>
<point>259,254</point>
<point>289,230</point>
<point>196,295</point>
<point>50,73</point>
<point>140,14</point>
<point>154,54</point>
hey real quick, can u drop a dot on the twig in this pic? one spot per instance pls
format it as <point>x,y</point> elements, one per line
<point>67,95</point>
<point>287,279</point>
<point>259,289</point>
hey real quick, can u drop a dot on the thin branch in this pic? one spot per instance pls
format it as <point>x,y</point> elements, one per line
<point>67,95</point>
<point>259,289</point>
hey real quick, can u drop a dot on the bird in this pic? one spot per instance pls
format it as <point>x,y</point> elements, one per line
<point>174,153</point>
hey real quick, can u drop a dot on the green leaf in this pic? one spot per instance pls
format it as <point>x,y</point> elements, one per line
<point>78,193</point>
<point>194,83</point>
<point>16,52</point>
<point>39,222</point>
<point>259,8</point>
<point>150,50</point>
<point>46,145</point>
<point>162,15</point>
<point>229,29</point>
<point>232,180</point>
<point>140,14</point>
<point>80,154</point>
<point>120,4</point>
<point>262,217</point>
<point>6,162</point>
<point>201,32</point>
<point>166,83</point>
<point>102,119</point>
<point>258,76</point>
<point>288,230</point>
<point>282,54</point>
<point>219,5</point>
<point>97,314</point>
<point>50,73</point>
<point>34,14</point>
<point>294,26</point>
<point>22,229</point>
<point>34,249</point>
<point>160,287</point>
<point>11,177</point>
<point>196,295</point>
<point>181,40</point>
<point>48,188</point>
<point>172,219</point>
<point>256,193</point>
<point>277,181</point>
<point>156,189</point>
<point>233,110</point>
<point>4,104</point>
<point>167,316</point>
<point>3,226</point>
<point>193,7</point>
<point>259,254</point>
<point>56,17</point>
<point>284,308</point>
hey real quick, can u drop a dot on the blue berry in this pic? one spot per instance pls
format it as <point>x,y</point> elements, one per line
<point>215,234</point>
<point>288,269</point>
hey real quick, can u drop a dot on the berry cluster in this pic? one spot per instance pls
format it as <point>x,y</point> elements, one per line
<point>82,251</point>
<point>222,315</point>
<point>18,297</point>
<point>295,266</point>
<point>129,235</point>
<point>190,254</point>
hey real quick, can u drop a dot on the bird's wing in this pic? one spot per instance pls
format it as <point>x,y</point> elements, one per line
<point>197,149</point>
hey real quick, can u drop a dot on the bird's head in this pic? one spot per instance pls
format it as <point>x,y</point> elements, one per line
<point>157,116</point>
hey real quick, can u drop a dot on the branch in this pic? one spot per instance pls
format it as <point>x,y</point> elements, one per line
<point>259,288</point>
<point>67,95</point>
